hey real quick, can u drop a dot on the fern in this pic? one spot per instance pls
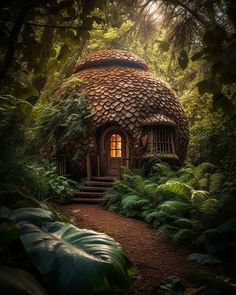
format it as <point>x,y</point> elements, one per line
<point>164,170</point>
<point>185,174</point>
<point>184,236</point>
<point>114,208</point>
<point>174,207</point>
<point>168,229</point>
<point>216,182</point>
<point>198,197</point>
<point>143,204</point>
<point>189,224</point>
<point>131,205</point>
<point>149,191</point>
<point>228,228</point>
<point>222,248</point>
<point>162,217</point>
<point>212,235</point>
<point>204,168</point>
<point>173,190</point>
<point>204,183</point>
<point>210,207</point>
<point>203,258</point>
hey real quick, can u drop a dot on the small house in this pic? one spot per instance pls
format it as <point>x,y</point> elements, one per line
<point>135,115</point>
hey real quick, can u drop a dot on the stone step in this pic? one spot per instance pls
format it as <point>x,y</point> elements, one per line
<point>98,183</point>
<point>93,188</point>
<point>103,178</point>
<point>87,200</point>
<point>88,194</point>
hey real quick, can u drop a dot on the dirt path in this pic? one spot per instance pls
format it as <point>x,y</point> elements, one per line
<point>154,255</point>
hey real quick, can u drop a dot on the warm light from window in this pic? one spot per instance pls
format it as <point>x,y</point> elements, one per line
<point>115,146</point>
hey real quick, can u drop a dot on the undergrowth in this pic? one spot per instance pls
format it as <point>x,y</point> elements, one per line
<point>194,206</point>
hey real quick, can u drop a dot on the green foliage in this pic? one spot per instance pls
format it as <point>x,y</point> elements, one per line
<point>173,189</point>
<point>98,262</point>
<point>189,224</point>
<point>174,208</point>
<point>33,215</point>
<point>196,283</point>
<point>131,205</point>
<point>188,215</point>
<point>184,236</point>
<point>89,261</point>
<point>216,182</point>
<point>210,206</point>
<point>203,258</point>
<point>63,122</point>
<point>35,53</point>
<point>211,282</point>
<point>17,281</point>
<point>58,188</point>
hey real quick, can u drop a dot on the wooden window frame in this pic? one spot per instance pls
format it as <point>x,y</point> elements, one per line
<point>160,139</point>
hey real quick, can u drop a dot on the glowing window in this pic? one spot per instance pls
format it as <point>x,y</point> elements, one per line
<point>115,146</point>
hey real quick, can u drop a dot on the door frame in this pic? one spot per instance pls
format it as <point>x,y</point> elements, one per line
<point>104,157</point>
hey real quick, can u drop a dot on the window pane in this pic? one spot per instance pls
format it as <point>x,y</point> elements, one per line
<point>115,145</point>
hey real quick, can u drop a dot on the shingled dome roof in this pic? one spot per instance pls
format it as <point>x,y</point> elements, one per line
<point>112,57</point>
<point>123,92</point>
<point>158,119</point>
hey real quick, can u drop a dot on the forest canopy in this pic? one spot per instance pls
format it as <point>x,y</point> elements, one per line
<point>189,44</point>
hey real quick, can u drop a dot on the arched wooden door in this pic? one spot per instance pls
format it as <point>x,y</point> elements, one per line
<point>114,151</point>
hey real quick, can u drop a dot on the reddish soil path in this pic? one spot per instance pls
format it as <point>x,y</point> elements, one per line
<point>154,255</point>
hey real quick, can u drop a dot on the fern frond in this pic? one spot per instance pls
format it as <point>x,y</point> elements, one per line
<point>216,182</point>
<point>228,228</point>
<point>168,229</point>
<point>162,217</point>
<point>204,183</point>
<point>189,224</point>
<point>204,168</point>
<point>212,234</point>
<point>198,197</point>
<point>173,190</point>
<point>174,208</point>
<point>149,191</point>
<point>184,236</point>
<point>210,206</point>
<point>163,169</point>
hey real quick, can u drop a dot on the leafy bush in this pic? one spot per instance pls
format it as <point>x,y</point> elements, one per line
<point>175,202</point>
<point>59,188</point>
<point>196,283</point>
<point>174,208</point>
<point>62,122</point>
<point>84,261</point>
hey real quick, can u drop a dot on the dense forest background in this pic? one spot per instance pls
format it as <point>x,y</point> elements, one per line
<point>189,44</point>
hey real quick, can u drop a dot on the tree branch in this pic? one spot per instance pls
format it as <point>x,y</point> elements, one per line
<point>54,26</point>
<point>12,40</point>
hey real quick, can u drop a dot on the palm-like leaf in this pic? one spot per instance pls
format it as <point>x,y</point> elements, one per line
<point>77,260</point>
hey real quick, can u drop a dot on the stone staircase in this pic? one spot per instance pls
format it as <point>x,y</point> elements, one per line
<point>93,191</point>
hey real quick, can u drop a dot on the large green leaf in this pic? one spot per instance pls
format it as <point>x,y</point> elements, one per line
<point>6,215</point>
<point>16,281</point>
<point>77,260</point>
<point>203,258</point>
<point>33,215</point>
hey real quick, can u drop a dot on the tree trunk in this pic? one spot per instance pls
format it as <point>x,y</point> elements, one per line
<point>13,38</point>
